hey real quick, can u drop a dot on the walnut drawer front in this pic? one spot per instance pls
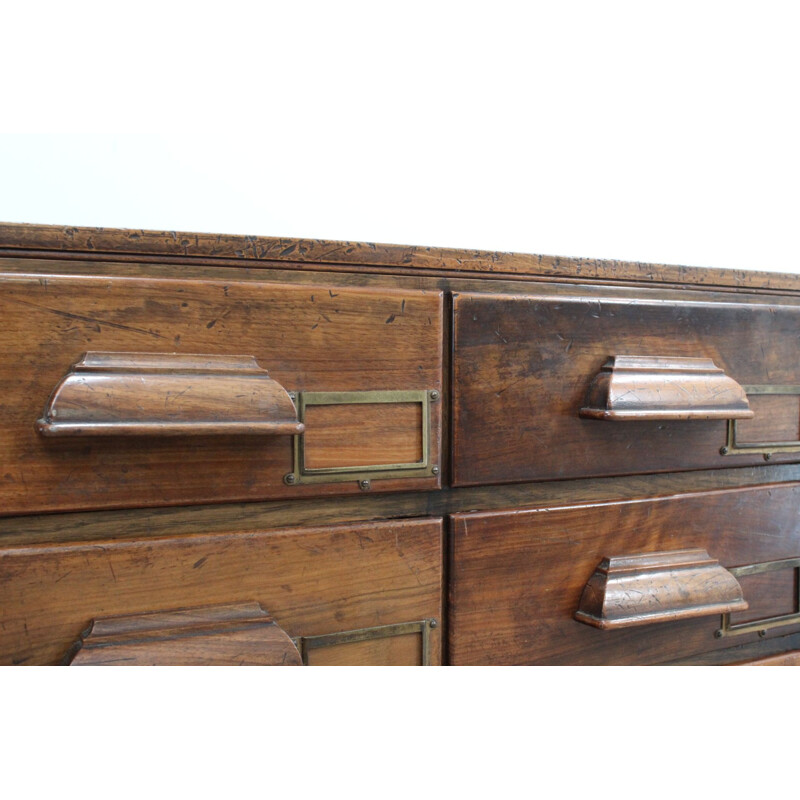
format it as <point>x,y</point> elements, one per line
<point>190,391</point>
<point>314,582</point>
<point>518,578</point>
<point>587,385</point>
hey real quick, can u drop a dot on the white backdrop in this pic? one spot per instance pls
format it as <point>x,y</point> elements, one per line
<point>642,131</point>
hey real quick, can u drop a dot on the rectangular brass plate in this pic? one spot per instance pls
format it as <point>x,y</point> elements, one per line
<point>732,447</point>
<point>726,629</point>
<point>418,469</point>
<point>423,627</point>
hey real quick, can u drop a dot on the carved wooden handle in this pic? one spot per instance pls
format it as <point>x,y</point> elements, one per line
<point>167,394</point>
<point>658,587</point>
<point>659,388</point>
<point>216,635</point>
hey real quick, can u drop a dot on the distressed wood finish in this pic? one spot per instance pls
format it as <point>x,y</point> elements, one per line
<point>152,522</point>
<point>150,528</point>
<point>166,394</point>
<point>369,257</point>
<point>517,577</point>
<point>522,367</point>
<point>312,338</point>
<point>636,388</point>
<point>223,636</point>
<point>648,588</point>
<point>313,581</point>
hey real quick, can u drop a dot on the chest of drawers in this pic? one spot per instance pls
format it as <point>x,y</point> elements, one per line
<point>244,450</point>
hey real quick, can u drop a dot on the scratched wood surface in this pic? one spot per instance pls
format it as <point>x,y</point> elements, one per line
<point>149,523</point>
<point>516,577</point>
<point>258,250</point>
<point>167,394</point>
<point>224,636</point>
<point>522,366</point>
<point>140,280</point>
<point>308,338</point>
<point>646,588</point>
<point>311,581</point>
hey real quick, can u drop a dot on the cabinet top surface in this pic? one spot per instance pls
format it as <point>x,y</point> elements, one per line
<point>264,251</point>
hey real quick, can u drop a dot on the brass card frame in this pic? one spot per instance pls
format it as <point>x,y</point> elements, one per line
<point>733,447</point>
<point>417,469</point>
<point>423,627</point>
<point>766,623</point>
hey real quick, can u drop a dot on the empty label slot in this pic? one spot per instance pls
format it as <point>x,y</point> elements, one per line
<point>769,594</point>
<point>777,419</point>
<point>362,434</point>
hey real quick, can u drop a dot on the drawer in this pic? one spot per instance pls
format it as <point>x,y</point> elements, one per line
<point>123,392</point>
<point>589,385</point>
<point>318,584</point>
<point>518,578</point>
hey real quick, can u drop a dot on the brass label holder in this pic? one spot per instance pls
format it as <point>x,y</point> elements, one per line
<point>766,623</point>
<point>301,473</point>
<point>733,447</point>
<point>423,627</point>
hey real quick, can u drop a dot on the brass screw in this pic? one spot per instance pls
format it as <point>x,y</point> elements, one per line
<point>723,451</point>
<point>432,623</point>
<point>434,395</point>
<point>767,456</point>
<point>434,470</point>
<point>289,478</point>
<point>762,634</point>
<point>364,485</point>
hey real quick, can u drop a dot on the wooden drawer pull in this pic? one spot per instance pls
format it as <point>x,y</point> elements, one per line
<point>216,635</point>
<point>657,388</point>
<point>167,394</point>
<point>658,587</point>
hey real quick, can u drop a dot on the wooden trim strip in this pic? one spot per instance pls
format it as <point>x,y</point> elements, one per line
<point>134,524</point>
<point>258,250</point>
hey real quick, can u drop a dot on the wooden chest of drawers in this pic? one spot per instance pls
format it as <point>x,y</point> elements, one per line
<point>242,450</point>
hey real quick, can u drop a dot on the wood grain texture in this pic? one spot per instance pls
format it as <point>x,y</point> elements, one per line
<point>192,268</point>
<point>397,651</point>
<point>648,588</point>
<point>791,659</point>
<point>261,250</point>
<point>637,388</point>
<point>333,316</point>
<point>771,594</point>
<point>149,523</point>
<point>741,654</point>
<point>312,338</point>
<point>234,635</point>
<point>776,419</point>
<point>167,394</point>
<point>363,434</point>
<point>313,581</point>
<point>522,366</point>
<point>517,576</point>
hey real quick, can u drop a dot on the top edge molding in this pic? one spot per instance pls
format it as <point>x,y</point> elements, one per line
<point>265,251</point>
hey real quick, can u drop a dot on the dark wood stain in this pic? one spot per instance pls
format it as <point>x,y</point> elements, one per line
<point>517,577</point>
<point>530,496</point>
<point>523,365</point>
<point>267,250</point>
